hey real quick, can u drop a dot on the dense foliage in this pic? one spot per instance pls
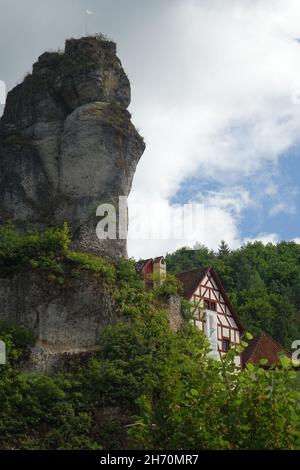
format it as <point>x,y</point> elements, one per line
<point>49,251</point>
<point>263,282</point>
<point>147,387</point>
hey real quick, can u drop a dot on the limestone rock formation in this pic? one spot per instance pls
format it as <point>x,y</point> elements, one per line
<point>67,320</point>
<point>71,316</point>
<point>67,143</point>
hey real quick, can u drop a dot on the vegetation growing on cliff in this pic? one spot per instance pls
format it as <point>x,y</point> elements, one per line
<point>147,387</point>
<point>150,387</point>
<point>263,283</point>
<point>48,250</point>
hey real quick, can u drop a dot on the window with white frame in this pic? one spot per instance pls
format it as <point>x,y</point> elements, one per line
<point>211,330</point>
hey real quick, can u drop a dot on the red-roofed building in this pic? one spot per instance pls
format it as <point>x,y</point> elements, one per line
<point>263,346</point>
<point>153,271</point>
<point>212,310</point>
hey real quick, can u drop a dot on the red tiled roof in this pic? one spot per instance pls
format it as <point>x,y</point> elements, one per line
<point>190,280</point>
<point>263,346</point>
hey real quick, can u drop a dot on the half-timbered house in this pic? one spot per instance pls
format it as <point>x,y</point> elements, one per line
<point>212,310</point>
<point>213,313</point>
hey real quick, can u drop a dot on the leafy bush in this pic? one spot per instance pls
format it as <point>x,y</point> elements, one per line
<point>47,250</point>
<point>170,286</point>
<point>156,389</point>
<point>17,250</point>
<point>18,341</point>
<point>92,263</point>
<point>103,38</point>
<point>210,406</point>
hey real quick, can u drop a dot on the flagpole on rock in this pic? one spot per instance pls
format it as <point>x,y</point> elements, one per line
<point>87,13</point>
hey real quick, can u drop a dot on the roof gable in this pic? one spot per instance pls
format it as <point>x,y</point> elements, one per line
<point>142,264</point>
<point>263,346</point>
<point>191,279</point>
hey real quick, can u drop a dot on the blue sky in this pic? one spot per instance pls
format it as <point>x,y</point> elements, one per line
<point>276,213</point>
<point>285,220</point>
<point>215,93</point>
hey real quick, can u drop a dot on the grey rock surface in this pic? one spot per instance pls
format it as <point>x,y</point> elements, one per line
<point>62,317</point>
<point>67,143</point>
<point>47,360</point>
<point>175,314</point>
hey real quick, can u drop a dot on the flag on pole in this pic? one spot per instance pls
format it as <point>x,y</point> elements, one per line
<point>87,13</point>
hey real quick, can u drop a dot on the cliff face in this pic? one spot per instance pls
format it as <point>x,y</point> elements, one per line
<point>71,316</point>
<point>67,143</point>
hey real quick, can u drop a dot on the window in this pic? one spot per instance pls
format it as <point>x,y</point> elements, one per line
<point>210,305</point>
<point>211,329</point>
<point>2,353</point>
<point>225,344</point>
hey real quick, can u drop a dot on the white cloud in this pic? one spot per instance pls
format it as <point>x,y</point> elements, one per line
<point>265,238</point>
<point>154,222</point>
<point>282,208</point>
<point>271,189</point>
<point>268,238</point>
<point>216,100</point>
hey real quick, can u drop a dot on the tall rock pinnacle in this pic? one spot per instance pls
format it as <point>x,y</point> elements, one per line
<point>67,143</point>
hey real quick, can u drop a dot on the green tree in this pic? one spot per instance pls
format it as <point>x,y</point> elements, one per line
<point>224,249</point>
